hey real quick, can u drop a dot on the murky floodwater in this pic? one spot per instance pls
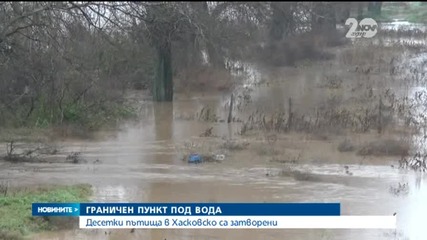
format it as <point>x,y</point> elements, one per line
<point>142,164</point>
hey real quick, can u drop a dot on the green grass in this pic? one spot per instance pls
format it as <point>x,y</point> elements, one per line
<point>15,208</point>
<point>418,17</point>
<point>91,116</point>
<point>384,17</point>
<point>23,134</point>
<point>80,121</point>
<point>416,12</point>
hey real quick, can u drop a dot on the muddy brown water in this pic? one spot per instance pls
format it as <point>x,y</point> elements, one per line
<point>142,163</point>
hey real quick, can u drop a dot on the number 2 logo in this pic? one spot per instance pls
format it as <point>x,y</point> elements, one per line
<point>367,28</point>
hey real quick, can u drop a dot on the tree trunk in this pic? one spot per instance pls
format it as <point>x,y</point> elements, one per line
<point>213,52</point>
<point>346,15</point>
<point>377,8</point>
<point>277,21</point>
<point>371,6</point>
<point>342,12</point>
<point>374,8</point>
<point>323,18</point>
<point>214,57</point>
<point>331,17</point>
<point>163,83</point>
<point>359,11</point>
<point>282,23</point>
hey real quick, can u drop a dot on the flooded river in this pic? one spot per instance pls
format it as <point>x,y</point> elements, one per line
<point>142,163</point>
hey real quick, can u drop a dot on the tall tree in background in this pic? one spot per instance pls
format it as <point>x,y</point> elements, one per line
<point>323,17</point>
<point>57,60</point>
<point>282,20</point>
<point>343,10</point>
<point>161,22</point>
<point>374,8</point>
<point>219,31</point>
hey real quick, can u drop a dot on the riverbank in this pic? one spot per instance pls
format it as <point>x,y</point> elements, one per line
<point>413,12</point>
<point>16,220</point>
<point>339,138</point>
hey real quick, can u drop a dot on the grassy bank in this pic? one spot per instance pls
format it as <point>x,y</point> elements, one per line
<point>415,12</point>
<point>15,209</point>
<point>78,123</point>
<point>24,134</point>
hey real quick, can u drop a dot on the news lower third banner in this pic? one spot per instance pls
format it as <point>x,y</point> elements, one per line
<point>212,215</point>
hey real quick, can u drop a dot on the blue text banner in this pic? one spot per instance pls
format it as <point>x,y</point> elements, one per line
<point>183,209</point>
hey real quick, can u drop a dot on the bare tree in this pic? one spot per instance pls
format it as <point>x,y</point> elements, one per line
<point>375,8</point>
<point>59,59</point>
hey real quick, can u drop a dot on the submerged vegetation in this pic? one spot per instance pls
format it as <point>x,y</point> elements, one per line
<point>69,66</point>
<point>68,69</point>
<point>69,63</point>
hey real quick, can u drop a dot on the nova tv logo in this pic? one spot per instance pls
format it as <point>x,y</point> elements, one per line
<point>366,28</point>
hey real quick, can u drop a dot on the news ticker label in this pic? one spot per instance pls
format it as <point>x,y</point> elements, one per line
<point>56,209</point>
<point>186,209</point>
<point>238,222</point>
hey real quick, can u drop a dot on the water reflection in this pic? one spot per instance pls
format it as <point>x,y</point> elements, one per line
<point>163,121</point>
<point>415,216</point>
<point>140,165</point>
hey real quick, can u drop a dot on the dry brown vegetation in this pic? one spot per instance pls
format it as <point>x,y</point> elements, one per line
<point>204,79</point>
<point>7,235</point>
<point>366,93</point>
<point>388,147</point>
<point>295,49</point>
<point>24,153</point>
<point>346,146</point>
